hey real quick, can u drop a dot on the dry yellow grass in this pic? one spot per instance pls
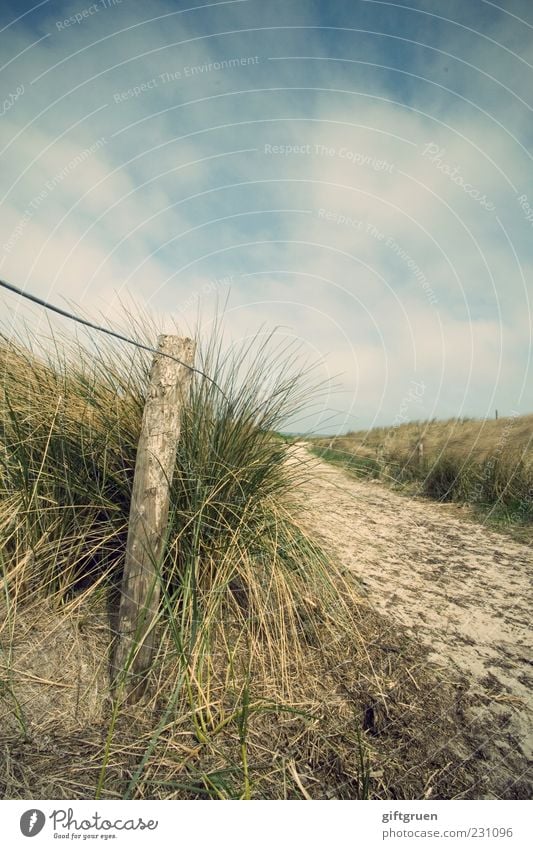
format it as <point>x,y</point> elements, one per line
<point>272,679</point>
<point>368,716</point>
<point>487,465</point>
<point>469,439</point>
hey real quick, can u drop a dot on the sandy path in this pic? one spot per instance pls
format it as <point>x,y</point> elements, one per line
<point>463,591</point>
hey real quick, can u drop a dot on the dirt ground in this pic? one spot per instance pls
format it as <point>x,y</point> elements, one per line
<point>427,698</point>
<point>460,590</point>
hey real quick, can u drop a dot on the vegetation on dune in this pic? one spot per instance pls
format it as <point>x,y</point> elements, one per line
<point>269,662</point>
<point>239,580</point>
<point>485,464</point>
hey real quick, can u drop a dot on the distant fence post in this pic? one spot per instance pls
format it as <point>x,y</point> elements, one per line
<point>154,469</point>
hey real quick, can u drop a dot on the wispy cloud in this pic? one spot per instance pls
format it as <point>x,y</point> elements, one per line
<point>357,174</point>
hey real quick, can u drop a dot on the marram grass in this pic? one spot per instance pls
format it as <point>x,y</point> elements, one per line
<point>267,656</point>
<point>485,464</point>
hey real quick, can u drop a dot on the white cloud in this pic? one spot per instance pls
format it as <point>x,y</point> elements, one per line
<point>428,285</point>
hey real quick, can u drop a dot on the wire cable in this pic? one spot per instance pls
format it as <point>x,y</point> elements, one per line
<point>34,299</point>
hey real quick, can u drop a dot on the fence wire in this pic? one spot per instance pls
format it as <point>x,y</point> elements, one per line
<point>86,323</point>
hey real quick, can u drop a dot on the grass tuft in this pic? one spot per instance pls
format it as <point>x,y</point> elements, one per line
<point>246,596</point>
<point>269,662</point>
<point>487,465</point>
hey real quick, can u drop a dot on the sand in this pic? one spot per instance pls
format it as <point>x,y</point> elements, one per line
<point>461,590</point>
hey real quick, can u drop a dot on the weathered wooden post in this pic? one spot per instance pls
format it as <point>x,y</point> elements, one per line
<point>154,469</point>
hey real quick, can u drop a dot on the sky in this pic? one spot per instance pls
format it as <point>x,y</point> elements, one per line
<point>353,177</point>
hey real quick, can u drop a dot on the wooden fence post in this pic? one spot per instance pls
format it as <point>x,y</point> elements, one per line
<point>154,469</point>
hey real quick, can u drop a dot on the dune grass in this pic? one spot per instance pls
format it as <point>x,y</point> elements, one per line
<point>268,662</point>
<point>485,464</point>
<point>245,595</point>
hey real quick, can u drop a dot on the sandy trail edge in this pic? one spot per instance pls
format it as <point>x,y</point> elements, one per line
<point>461,590</point>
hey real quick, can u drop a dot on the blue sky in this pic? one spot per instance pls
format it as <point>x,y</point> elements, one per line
<point>356,174</point>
